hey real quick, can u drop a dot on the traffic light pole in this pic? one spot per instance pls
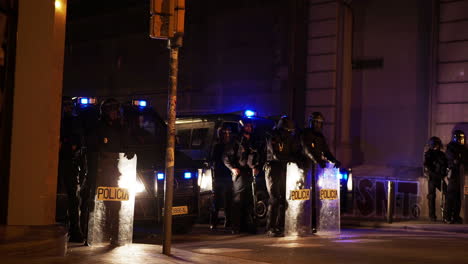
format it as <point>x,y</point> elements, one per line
<point>173,44</point>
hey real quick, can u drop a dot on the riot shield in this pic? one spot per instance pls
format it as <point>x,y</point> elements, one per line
<point>111,214</point>
<point>328,199</point>
<point>298,216</point>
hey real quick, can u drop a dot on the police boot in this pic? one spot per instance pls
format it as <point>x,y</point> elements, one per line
<point>76,237</point>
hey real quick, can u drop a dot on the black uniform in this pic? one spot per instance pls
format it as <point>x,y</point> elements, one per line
<point>108,138</point>
<point>222,182</point>
<point>456,156</point>
<point>316,151</point>
<point>240,154</point>
<point>435,169</point>
<point>69,171</point>
<point>282,147</point>
<point>316,148</point>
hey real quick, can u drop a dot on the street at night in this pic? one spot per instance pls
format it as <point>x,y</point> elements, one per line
<point>352,246</point>
<point>246,131</point>
<point>380,246</point>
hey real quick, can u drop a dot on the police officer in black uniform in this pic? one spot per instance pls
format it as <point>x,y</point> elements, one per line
<point>69,167</point>
<point>316,151</point>
<point>314,143</point>
<point>238,157</point>
<point>282,146</point>
<point>457,160</point>
<point>110,136</point>
<point>435,169</point>
<point>222,180</point>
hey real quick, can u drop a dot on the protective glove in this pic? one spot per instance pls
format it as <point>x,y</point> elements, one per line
<point>337,164</point>
<point>322,163</point>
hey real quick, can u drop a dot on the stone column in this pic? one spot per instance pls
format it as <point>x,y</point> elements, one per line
<point>36,112</point>
<point>344,79</point>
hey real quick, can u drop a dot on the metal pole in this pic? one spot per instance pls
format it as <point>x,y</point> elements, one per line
<point>390,201</point>
<point>174,44</point>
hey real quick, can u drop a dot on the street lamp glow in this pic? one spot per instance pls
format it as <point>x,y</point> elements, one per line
<point>58,4</point>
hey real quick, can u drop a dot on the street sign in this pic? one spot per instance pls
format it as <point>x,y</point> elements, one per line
<point>167,18</point>
<point>112,194</point>
<point>159,27</point>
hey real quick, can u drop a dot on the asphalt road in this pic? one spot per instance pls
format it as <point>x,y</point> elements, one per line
<point>351,246</point>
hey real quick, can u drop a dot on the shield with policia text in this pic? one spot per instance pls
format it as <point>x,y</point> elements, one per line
<point>328,199</point>
<point>298,216</point>
<point>111,215</point>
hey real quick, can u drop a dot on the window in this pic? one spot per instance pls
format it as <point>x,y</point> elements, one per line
<point>199,136</point>
<point>183,138</point>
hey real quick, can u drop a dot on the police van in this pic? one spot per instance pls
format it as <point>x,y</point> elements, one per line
<point>148,140</point>
<point>196,136</point>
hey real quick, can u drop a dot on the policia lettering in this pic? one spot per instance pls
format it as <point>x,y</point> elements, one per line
<point>303,194</point>
<point>328,194</point>
<point>112,194</point>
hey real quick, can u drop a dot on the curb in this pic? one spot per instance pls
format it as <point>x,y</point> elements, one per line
<point>408,226</point>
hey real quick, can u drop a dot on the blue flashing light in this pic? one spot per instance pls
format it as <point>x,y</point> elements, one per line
<point>84,101</point>
<point>160,176</point>
<point>343,175</point>
<point>140,103</point>
<point>187,175</point>
<point>250,113</point>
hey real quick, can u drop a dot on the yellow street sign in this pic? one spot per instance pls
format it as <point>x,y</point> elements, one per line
<point>112,194</point>
<point>302,194</point>
<point>328,194</point>
<point>178,210</point>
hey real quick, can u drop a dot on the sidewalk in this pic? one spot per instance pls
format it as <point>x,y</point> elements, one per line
<point>32,245</point>
<point>47,244</point>
<point>134,253</point>
<point>405,225</point>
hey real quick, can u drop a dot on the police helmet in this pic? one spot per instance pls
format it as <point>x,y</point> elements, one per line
<point>109,105</point>
<point>434,142</point>
<point>316,120</point>
<point>245,121</point>
<point>67,100</point>
<point>224,131</point>
<point>458,137</point>
<point>67,104</point>
<point>285,123</point>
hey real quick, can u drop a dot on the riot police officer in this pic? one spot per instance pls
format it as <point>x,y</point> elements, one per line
<point>222,180</point>
<point>282,146</point>
<point>110,136</point>
<point>314,143</point>
<point>457,160</point>
<point>69,166</point>
<point>239,157</point>
<point>435,169</point>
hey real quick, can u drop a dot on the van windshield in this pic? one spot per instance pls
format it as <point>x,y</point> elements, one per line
<point>195,139</point>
